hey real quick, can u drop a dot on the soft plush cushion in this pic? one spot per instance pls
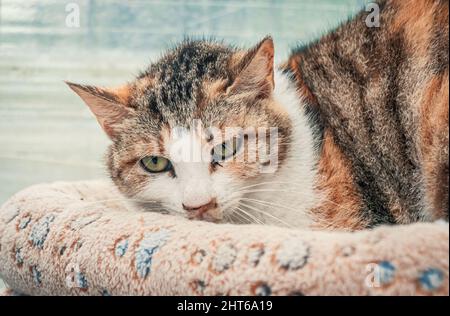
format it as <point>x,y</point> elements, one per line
<point>81,239</point>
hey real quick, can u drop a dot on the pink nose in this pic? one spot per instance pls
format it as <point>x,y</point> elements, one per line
<point>202,208</point>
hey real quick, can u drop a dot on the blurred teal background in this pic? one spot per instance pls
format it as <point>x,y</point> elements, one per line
<point>46,133</point>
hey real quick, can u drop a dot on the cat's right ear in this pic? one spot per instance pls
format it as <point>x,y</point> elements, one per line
<point>108,105</point>
<point>253,71</point>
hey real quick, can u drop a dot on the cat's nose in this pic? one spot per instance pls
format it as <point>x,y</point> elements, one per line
<point>200,209</point>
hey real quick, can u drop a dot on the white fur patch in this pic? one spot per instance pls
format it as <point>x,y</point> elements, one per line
<point>291,190</point>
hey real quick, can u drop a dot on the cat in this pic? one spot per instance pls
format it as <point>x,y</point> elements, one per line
<point>360,121</point>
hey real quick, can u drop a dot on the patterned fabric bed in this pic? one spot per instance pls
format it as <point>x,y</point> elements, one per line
<point>81,239</point>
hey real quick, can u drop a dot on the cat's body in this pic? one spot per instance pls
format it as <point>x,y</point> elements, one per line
<point>361,119</point>
<point>382,96</point>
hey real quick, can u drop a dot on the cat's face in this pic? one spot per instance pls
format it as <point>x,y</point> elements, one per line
<point>196,130</point>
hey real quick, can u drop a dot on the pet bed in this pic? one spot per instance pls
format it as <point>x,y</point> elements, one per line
<point>80,239</point>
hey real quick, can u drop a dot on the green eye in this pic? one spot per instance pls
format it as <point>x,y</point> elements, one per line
<point>156,164</point>
<point>226,150</point>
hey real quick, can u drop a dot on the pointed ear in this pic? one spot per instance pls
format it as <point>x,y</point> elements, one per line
<point>108,105</point>
<point>254,71</point>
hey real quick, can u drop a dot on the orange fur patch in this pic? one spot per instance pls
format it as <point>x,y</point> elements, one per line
<point>341,209</point>
<point>122,93</point>
<point>294,65</point>
<point>434,138</point>
<point>416,19</point>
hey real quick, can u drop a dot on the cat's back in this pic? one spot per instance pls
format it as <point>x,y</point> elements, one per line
<point>381,95</point>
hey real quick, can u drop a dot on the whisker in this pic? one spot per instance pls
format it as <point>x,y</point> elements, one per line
<point>269,182</point>
<point>250,216</point>
<point>300,220</point>
<point>269,204</point>
<point>244,219</point>
<point>267,214</point>
<point>267,190</point>
<point>235,219</point>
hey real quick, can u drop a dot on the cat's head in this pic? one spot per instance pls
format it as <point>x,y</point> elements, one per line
<point>196,130</point>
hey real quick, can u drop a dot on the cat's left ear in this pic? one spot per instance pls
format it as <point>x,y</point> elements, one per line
<point>110,106</point>
<point>254,70</point>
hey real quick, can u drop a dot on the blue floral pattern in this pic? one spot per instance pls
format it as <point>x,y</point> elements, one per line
<point>147,248</point>
<point>386,272</point>
<point>40,231</point>
<point>431,279</point>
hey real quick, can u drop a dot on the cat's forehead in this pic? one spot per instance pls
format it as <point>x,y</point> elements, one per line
<point>180,72</point>
<point>182,84</point>
<point>198,58</point>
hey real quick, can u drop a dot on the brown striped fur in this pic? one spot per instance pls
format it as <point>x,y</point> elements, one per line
<point>382,97</point>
